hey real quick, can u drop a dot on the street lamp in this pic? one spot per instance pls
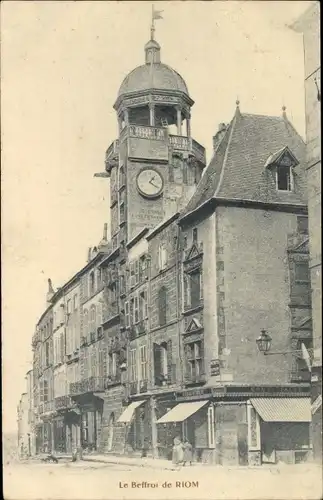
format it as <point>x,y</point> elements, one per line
<point>264,342</point>
<point>264,345</point>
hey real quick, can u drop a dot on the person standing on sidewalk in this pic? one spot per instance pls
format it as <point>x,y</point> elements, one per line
<point>187,452</point>
<point>177,451</point>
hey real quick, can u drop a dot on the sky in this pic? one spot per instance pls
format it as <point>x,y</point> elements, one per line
<point>62,65</point>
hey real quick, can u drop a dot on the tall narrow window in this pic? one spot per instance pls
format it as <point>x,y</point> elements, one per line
<point>162,305</point>
<point>284,179</point>
<point>85,323</point>
<point>75,302</point>
<point>195,288</point>
<point>135,310</point>
<point>195,235</point>
<point>92,283</point>
<point>302,272</point>
<point>143,362</point>
<point>47,354</point>
<point>92,319</point>
<point>143,306</point>
<point>133,365</point>
<point>162,257</point>
<point>127,314</point>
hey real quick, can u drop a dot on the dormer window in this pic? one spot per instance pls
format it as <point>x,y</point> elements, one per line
<point>282,164</point>
<point>284,178</point>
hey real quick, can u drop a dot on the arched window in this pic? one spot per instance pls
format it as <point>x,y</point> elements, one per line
<point>92,319</point>
<point>162,305</point>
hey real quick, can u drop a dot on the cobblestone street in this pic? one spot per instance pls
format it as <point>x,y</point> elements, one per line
<point>98,480</point>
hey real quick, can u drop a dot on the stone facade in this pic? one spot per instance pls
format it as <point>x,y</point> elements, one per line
<point>309,26</point>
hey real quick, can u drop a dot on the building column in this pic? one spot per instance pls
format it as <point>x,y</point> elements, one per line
<point>154,436</point>
<point>188,125</point>
<point>179,121</point>
<point>120,124</point>
<point>151,114</point>
<point>126,117</point>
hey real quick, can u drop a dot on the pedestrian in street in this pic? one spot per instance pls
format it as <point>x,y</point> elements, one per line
<point>177,451</point>
<point>187,452</point>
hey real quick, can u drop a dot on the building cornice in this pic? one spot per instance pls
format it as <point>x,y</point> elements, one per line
<point>210,205</point>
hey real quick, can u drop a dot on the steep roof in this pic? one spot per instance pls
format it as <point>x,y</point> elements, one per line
<point>238,169</point>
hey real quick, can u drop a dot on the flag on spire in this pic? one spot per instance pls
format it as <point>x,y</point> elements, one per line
<point>157,14</point>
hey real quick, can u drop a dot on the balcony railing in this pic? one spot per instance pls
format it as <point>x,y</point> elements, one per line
<point>112,151</point>
<point>91,384</point>
<point>46,407</point>
<point>113,379</point>
<point>195,379</point>
<point>137,329</point>
<point>177,142</point>
<point>145,132</point>
<point>63,402</point>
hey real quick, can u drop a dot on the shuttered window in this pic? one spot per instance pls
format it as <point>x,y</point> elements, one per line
<point>143,362</point>
<point>127,314</point>
<point>162,305</point>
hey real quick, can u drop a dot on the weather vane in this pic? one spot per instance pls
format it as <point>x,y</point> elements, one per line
<point>156,14</point>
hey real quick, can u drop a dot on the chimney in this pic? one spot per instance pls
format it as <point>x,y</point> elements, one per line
<point>89,252</point>
<point>50,292</point>
<point>218,136</point>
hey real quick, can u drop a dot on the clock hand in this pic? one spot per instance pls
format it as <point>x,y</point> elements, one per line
<point>151,180</point>
<point>153,184</point>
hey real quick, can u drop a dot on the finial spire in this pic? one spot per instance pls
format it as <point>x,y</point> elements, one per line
<point>155,14</point>
<point>284,111</point>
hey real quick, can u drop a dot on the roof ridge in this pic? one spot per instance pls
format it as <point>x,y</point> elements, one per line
<point>232,124</point>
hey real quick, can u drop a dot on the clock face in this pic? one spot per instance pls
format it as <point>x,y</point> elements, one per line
<point>150,183</point>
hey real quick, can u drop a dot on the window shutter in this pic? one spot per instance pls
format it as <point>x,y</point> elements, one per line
<point>157,361</point>
<point>127,314</point>
<point>137,271</point>
<point>162,306</point>
<point>187,351</point>
<point>62,348</point>
<point>132,275</point>
<point>169,360</point>
<point>135,309</point>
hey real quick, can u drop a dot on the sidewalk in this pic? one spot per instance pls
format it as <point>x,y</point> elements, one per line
<point>153,463</point>
<point>158,463</point>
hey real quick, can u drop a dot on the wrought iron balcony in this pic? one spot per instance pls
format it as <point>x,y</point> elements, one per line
<point>46,407</point>
<point>63,402</point>
<point>113,379</point>
<point>137,329</point>
<point>195,379</point>
<point>91,384</point>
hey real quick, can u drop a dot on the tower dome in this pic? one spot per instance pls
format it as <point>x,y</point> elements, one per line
<point>153,75</point>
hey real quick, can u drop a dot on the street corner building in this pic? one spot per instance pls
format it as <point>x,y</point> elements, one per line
<point>193,318</point>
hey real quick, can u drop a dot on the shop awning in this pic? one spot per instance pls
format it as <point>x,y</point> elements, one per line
<point>127,414</point>
<point>283,409</point>
<point>181,412</point>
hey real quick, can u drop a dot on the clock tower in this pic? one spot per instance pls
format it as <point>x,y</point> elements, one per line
<point>155,164</point>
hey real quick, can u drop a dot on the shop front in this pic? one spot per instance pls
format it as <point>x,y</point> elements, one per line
<point>279,430</point>
<point>136,419</point>
<point>228,431</point>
